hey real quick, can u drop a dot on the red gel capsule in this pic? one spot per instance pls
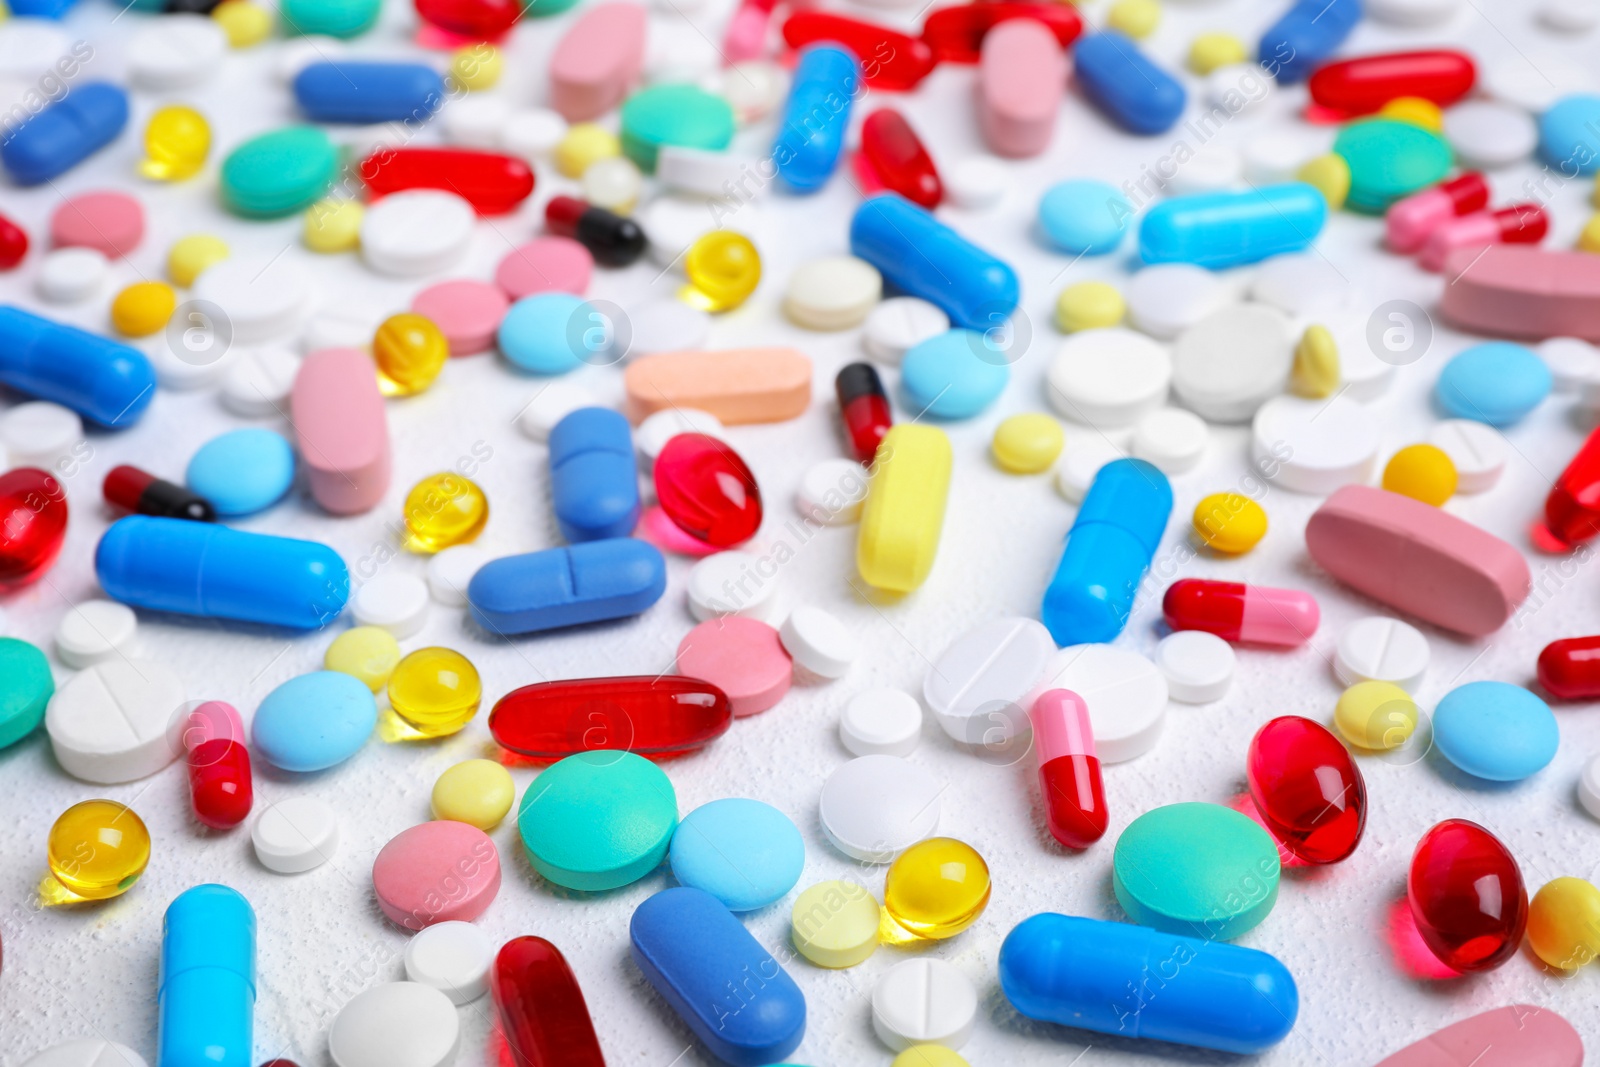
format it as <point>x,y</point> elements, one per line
<point>1308,790</point>
<point>889,59</point>
<point>483,19</point>
<point>706,489</point>
<point>1572,510</point>
<point>492,183</point>
<point>956,33</point>
<point>1363,85</point>
<point>657,716</point>
<point>219,765</point>
<point>898,160</point>
<point>864,407</point>
<point>1253,614</point>
<point>1467,896</point>
<point>1570,668</point>
<point>13,243</point>
<point>33,523</point>
<point>1069,772</point>
<point>542,1011</point>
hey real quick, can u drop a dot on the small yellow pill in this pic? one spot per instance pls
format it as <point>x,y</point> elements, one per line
<point>1089,306</point>
<point>1421,472</point>
<point>369,653</point>
<point>436,691</point>
<point>477,792</point>
<point>1564,923</point>
<point>143,308</point>
<point>1212,51</point>
<point>334,226</point>
<point>835,924</point>
<point>1027,444</point>
<point>193,254</point>
<point>1376,716</point>
<point>1589,239</point>
<point>1315,372</point>
<point>1136,18</point>
<point>1229,523</point>
<point>1415,110</point>
<point>929,1056</point>
<point>477,67</point>
<point>1330,176</point>
<point>585,143</point>
<point>443,510</point>
<point>177,140</point>
<point>98,849</point>
<point>246,24</point>
<point>410,351</point>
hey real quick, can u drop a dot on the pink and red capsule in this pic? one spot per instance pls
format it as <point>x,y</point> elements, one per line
<point>1411,221</point>
<point>1069,772</point>
<point>219,765</point>
<point>1251,614</point>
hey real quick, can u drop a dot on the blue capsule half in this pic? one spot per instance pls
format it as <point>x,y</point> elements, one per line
<point>206,998</point>
<point>105,381</point>
<point>594,477</point>
<point>64,134</point>
<point>921,256</point>
<point>1230,229</point>
<point>350,91</point>
<point>1307,35</point>
<point>816,118</point>
<point>1125,85</point>
<point>559,587</point>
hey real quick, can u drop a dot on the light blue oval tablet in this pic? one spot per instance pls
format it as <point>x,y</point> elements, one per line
<point>745,853</point>
<point>1497,383</point>
<point>243,471</point>
<point>1495,730</point>
<point>1084,216</point>
<point>956,374</point>
<point>1569,135</point>
<point>315,721</point>
<point>544,333</point>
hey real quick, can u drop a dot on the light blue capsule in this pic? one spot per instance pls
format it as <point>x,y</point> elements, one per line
<point>314,722</point>
<point>1125,85</point>
<point>956,374</point>
<point>243,471</point>
<point>206,994</point>
<point>816,118</point>
<point>1228,229</point>
<point>1497,383</point>
<point>1496,731</point>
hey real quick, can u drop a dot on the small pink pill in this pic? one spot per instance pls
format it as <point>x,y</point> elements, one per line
<point>467,312</point>
<point>597,61</point>
<point>112,223</point>
<point>1022,75</point>
<point>340,429</point>
<point>742,657</point>
<point>545,265</point>
<point>436,872</point>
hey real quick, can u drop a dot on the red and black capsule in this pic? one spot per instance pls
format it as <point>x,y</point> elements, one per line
<point>864,406</point>
<point>132,489</point>
<point>614,240</point>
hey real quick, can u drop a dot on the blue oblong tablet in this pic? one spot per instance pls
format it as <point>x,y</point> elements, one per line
<point>1496,731</point>
<point>729,990</point>
<point>1497,383</point>
<point>65,133</point>
<point>745,853</point>
<point>815,120</point>
<point>351,91</point>
<point>105,381</point>
<point>558,587</point>
<point>1230,229</point>
<point>1125,85</point>
<point>594,477</point>
<point>1307,34</point>
<point>921,256</point>
<point>953,375</point>
<point>242,471</point>
<point>315,721</point>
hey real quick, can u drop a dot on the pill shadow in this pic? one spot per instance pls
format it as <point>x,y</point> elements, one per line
<point>1454,776</point>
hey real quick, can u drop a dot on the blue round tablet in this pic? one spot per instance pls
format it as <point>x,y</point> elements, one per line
<point>243,471</point>
<point>1084,216</point>
<point>315,721</point>
<point>956,374</point>
<point>745,853</point>
<point>1569,134</point>
<point>1497,383</point>
<point>1495,730</point>
<point>552,333</point>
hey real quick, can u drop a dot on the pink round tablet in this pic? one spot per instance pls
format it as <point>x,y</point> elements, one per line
<point>659,530</point>
<point>467,312</point>
<point>435,872</point>
<point>544,265</point>
<point>112,223</point>
<point>740,656</point>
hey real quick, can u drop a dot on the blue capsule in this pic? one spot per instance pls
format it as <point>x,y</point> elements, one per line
<point>558,587</point>
<point>105,381</point>
<point>350,91</point>
<point>817,117</point>
<point>1125,85</point>
<point>1221,230</point>
<point>594,478</point>
<point>921,256</point>
<point>64,134</point>
<point>206,999</point>
<point>199,568</point>
<point>1307,35</point>
<point>41,9</point>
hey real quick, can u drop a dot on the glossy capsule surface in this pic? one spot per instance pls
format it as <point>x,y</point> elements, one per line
<point>1363,85</point>
<point>614,240</point>
<point>13,243</point>
<point>897,159</point>
<point>1572,510</point>
<point>435,690</point>
<point>442,510</point>
<point>1069,772</point>
<point>888,58</point>
<point>816,116</point>
<point>1252,614</point>
<point>936,888</point>
<point>482,19</point>
<point>409,351</point>
<point>1570,668</point>
<point>98,849</point>
<point>132,489</point>
<point>1467,896</point>
<point>864,408</point>
<point>1518,224</point>
<point>707,491</point>
<point>723,268</point>
<point>656,716</point>
<point>1409,221</point>
<point>492,183</point>
<point>33,523</point>
<point>177,140</point>
<point>956,33</point>
<point>220,788</point>
<point>542,1011</point>
<point>1307,789</point>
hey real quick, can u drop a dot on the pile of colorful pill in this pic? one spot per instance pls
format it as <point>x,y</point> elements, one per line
<point>579,487</point>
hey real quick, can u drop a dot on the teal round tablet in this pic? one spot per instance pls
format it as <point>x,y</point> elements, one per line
<point>25,688</point>
<point>278,172</point>
<point>682,115</point>
<point>598,820</point>
<point>332,18</point>
<point>1388,160</point>
<point>1200,870</point>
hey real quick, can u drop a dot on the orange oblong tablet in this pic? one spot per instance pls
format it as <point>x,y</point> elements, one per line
<point>1022,75</point>
<point>597,61</point>
<point>737,385</point>
<point>340,429</point>
<point>1523,291</point>
<point>1517,1036</point>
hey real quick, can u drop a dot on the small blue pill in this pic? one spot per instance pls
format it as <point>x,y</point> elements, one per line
<point>559,587</point>
<point>353,91</point>
<point>594,476</point>
<point>243,471</point>
<point>1496,731</point>
<point>1569,135</point>
<point>1125,85</point>
<point>64,134</point>
<point>549,333</point>
<point>1308,33</point>
<point>1497,383</point>
<point>745,853</point>
<point>315,721</point>
<point>956,374</point>
<point>1085,217</point>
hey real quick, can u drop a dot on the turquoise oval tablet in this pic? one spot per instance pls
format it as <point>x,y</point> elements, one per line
<point>956,374</point>
<point>315,721</point>
<point>26,686</point>
<point>598,820</point>
<point>1497,383</point>
<point>1200,870</point>
<point>745,853</point>
<point>1495,730</point>
<point>1569,135</point>
<point>682,115</point>
<point>278,172</point>
<point>1084,217</point>
<point>541,8</point>
<point>334,18</point>
<point>1388,160</point>
<point>547,333</point>
<point>243,471</point>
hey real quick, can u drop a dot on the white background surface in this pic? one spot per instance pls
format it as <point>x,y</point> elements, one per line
<point>89,970</point>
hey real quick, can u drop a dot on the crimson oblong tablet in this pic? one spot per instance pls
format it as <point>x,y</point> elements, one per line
<point>340,429</point>
<point>1418,559</point>
<point>1511,290</point>
<point>1363,85</point>
<point>492,183</point>
<point>956,33</point>
<point>647,715</point>
<point>1520,1035</point>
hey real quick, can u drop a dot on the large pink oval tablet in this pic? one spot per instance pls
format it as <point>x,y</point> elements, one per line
<point>467,312</point>
<point>544,265</point>
<point>1523,291</point>
<point>740,656</point>
<point>597,61</point>
<point>340,429</point>
<point>112,223</point>
<point>436,872</point>
<point>1521,1035</point>
<point>1021,78</point>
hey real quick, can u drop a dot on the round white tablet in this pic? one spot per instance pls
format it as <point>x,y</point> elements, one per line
<point>1380,649</point>
<point>1315,446</point>
<point>258,383</point>
<point>1569,16</point>
<point>819,642</point>
<point>754,88</point>
<point>900,324</point>
<point>396,1024</point>
<point>832,491</point>
<point>1198,666</point>
<point>415,232</point>
<point>1231,362</point>
<point>975,183</point>
<point>1363,375</point>
<point>349,324</point>
<point>673,223</point>
<point>732,583</point>
<point>86,1052</point>
<point>71,275</point>
<point>396,602</point>
<point>923,1002</point>
<point>881,722</point>
<point>1574,363</point>
<point>1533,81</point>
<point>176,51</point>
<point>706,173</point>
<point>666,324</point>
<point>1126,695</point>
<point>1486,133</point>
<point>260,300</point>
<point>298,53</point>
<point>1167,298</point>
<point>475,120</point>
<point>1108,378</point>
<point>832,293</point>
<point>117,721</point>
<point>533,133</point>
<point>192,370</point>
<point>450,571</point>
<point>652,435</point>
<point>1413,12</point>
<point>1171,438</point>
<point>1239,89</point>
<point>613,183</point>
<point>1276,154</point>
<point>1081,460</point>
<point>1478,450</point>
<point>1213,168</point>
<point>453,957</point>
<point>555,400</point>
<point>875,807</point>
<point>1589,787</point>
<point>40,434</point>
<point>1302,285</point>
<point>95,631</point>
<point>977,685</point>
<point>31,46</point>
<point>295,835</point>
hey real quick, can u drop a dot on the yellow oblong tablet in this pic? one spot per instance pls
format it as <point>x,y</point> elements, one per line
<point>904,511</point>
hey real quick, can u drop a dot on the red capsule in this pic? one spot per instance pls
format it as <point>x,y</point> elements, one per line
<point>1409,222</point>
<point>1570,668</point>
<point>1572,510</point>
<point>13,243</point>
<point>1253,614</point>
<point>33,523</point>
<point>1307,789</point>
<point>542,1011</point>
<point>706,489</point>
<point>1519,224</point>
<point>219,765</point>
<point>864,407</point>
<point>492,183</point>
<point>132,489</point>
<point>897,159</point>
<point>956,33</point>
<point>657,716</point>
<point>1069,772</point>
<point>889,59</point>
<point>1467,896</point>
<point>482,19</point>
<point>1362,86</point>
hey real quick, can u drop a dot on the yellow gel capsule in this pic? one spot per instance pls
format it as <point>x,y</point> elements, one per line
<point>585,143</point>
<point>436,691</point>
<point>1330,176</point>
<point>177,140</point>
<point>1229,523</point>
<point>904,511</point>
<point>334,226</point>
<point>477,792</point>
<point>443,510</point>
<point>143,308</point>
<point>1421,472</point>
<point>1027,444</point>
<point>929,1056</point>
<point>835,924</point>
<point>1212,51</point>
<point>369,653</point>
<point>936,888</point>
<point>193,254</point>
<point>1415,110</point>
<point>476,67</point>
<point>724,268</point>
<point>1315,372</point>
<point>410,351</point>
<point>246,24</point>
<point>1089,306</point>
<point>1564,923</point>
<point>1136,18</point>
<point>1589,239</point>
<point>1376,716</point>
<point>98,849</point>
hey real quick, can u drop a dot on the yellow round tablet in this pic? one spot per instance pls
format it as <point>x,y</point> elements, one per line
<point>1589,239</point>
<point>1027,444</point>
<point>334,225</point>
<point>477,792</point>
<point>1136,18</point>
<point>1376,715</point>
<point>246,24</point>
<point>584,144</point>
<point>193,254</point>
<point>1415,110</point>
<point>477,66</point>
<point>1211,51</point>
<point>1564,923</point>
<point>929,1056</point>
<point>1315,372</point>
<point>1230,523</point>
<point>1330,176</point>
<point>835,924</point>
<point>1421,472</point>
<point>143,308</point>
<point>369,653</point>
<point>1089,306</point>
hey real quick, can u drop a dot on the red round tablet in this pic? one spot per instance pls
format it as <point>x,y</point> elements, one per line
<point>112,223</point>
<point>545,265</point>
<point>435,872</point>
<point>467,312</point>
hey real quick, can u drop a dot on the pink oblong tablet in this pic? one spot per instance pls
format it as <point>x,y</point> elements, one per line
<point>112,223</point>
<point>597,61</point>
<point>737,385</point>
<point>436,872</point>
<point>742,657</point>
<point>1513,290</point>
<point>467,312</point>
<point>340,429</point>
<point>1022,75</point>
<point>1419,559</point>
<point>545,265</point>
<point>1517,1036</point>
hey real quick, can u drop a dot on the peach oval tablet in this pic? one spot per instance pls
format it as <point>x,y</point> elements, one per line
<point>340,429</point>
<point>737,385</point>
<point>743,657</point>
<point>1021,77</point>
<point>1517,1036</point>
<point>1523,291</point>
<point>597,61</point>
<point>436,872</point>
<point>1419,559</point>
<point>467,312</point>
<point>545,265</point>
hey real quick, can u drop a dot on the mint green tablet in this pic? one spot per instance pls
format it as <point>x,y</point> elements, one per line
<point>333,18</point>
<point>278,173</point>
<point>598,820</point>
<point>1390,159</point>
<point>1200,870</point>
<point>25,688</point>
<point>682,115</point>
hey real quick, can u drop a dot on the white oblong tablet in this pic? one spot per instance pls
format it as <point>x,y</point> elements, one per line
<point>875,807</point>
<point>923,1002</point>
<point>1478,450</point>
<point>652,435</point>
<point>190,371</point>
<point>1533,81</point>
<point>1126,695</point>
<point>117,721</point>
<point>555,400</point>
<point>832,293</point>
<point>1574,363</point>
<point>258,383</point>
<point>831,492</point>
<point>262,300</point>
<point>1232,361</point>
<point>1213,168</point>
<point>71,275</point>
<point>881,722</point>
<point>295,835</point>
<point>396,1024</point>
<point>754,88</point>
<point>86,1052</point>
<point>976,686</point>
<point>453,957</point>
<point>30,46</point>
<point>475,120</point>
<point>176,51</point>
<point>731,583</point>
<point>1412,12</point>
<point>703,172</point>
<point>818,641</point>
<point>40,434</point>
<point>975,182</point>
<point>1303,285</point>
<point>1197,665</point>
<point>95,631</point>
<point>533,133</point>
<point>1315,446</point>
<point>1381,649</point>
<point>1171,438</point>
<point>1487,133</point>
<point>1589,787</point>
<point>1108,378</point>
<point>666,325</point>
<point>451,570</point>
<point>396,602</point>
<point>1080,461</point>
<point>900,324</point>
<point>1165,299</point>
<point>415,232</point>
